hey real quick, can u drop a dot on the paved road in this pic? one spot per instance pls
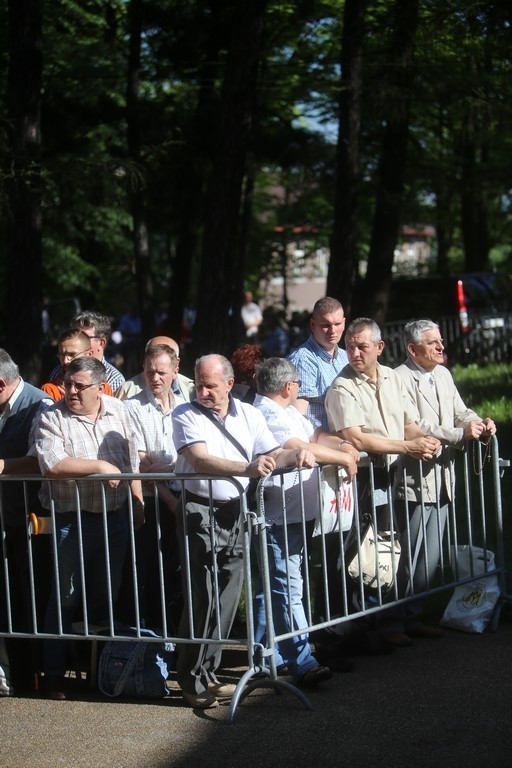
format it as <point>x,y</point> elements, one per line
<point>444,702</point>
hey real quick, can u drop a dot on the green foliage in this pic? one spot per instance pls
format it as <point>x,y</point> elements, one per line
<point>460,92</point>
<point>66,273</point>
<point>486,389</point>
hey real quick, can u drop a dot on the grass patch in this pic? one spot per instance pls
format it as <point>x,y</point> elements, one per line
<point>486,389</point>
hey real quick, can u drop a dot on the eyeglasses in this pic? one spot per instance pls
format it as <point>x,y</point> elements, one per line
<point>68,384</point>
<point>296,381</point>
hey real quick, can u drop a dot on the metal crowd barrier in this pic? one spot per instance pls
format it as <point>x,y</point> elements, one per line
<point>331,598</point>
<point>474,518</point>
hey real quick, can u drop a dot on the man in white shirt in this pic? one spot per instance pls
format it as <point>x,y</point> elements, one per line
<point>156,544</point>
<point>217,435</point>
<point>251,315</point>
<point>277,383</point>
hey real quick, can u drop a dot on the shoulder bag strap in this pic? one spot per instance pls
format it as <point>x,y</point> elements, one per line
<point>206,412</point>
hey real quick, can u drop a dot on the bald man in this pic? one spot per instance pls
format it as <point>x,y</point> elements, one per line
<point>182,384</point>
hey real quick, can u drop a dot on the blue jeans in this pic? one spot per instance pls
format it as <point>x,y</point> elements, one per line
<point>295,652</point>
<point>69,591</point>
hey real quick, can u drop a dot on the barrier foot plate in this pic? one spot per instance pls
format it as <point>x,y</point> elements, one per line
<point>245,687</point>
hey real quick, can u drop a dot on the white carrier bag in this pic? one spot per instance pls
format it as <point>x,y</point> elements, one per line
<point>337,501</point>
<point>472,604</point>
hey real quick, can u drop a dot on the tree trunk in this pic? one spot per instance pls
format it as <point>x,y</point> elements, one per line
<point>215,328</point>
<point>191,168</point>
<point>392,162</point>
<point>475,232</point>
<point>144,281</point>
<point>342,262</point>
<point>24,296</point>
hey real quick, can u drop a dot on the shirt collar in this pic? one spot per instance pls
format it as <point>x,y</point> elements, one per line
<point>422,370</point>
<point>233,406</point>
<point>321,352</point>
<point>11,401</point>
<point>382,374</point>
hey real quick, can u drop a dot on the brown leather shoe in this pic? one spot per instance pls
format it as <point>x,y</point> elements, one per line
<point>396,639</point>
<point>314,676</point>
<point>205,700</point>
<point>222,690</point>
<point>424,630</point>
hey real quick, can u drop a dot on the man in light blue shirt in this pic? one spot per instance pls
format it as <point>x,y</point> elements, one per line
<point>319,359</point>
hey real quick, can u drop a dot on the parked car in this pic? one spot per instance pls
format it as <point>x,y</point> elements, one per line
<point>474,312</point>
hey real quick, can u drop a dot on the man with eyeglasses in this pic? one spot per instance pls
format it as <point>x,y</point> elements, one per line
<point>278,385</point>
<point>86,433</point>
<point>97,327</point>
<point>71,344</point>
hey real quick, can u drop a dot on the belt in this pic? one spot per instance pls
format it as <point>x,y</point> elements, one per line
<point>205,500</point>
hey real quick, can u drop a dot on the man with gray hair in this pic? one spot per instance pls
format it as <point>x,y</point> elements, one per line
<point>20,406</point>
<point>217,435</point>
<point>368,405</point>
<point>445,416</point>
<point>278,385</point>
<point>98,328</point>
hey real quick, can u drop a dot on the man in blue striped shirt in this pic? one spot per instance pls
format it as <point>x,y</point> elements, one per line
<point>319,359</point>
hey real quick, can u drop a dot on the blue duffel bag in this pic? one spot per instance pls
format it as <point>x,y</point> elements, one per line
<point>136,669</point>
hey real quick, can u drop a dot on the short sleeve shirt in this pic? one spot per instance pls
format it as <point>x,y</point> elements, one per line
<point>381,409</point>
<point>153,427</point>
<point>61,434</point>
<point>316,370</point>
<point>243,421</point>
<point>285,423</point>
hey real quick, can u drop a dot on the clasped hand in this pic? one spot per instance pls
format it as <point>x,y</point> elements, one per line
<point>424,448</point>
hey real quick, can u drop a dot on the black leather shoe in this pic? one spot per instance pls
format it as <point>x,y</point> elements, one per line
<point>424,630</point>
<point>333,657</point>
<point>54,687</point>
<point>396,639</point>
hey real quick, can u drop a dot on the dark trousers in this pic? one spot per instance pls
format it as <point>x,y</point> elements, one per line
<point>67,594</point>
<point>212,545</point>
<point>15,592</point>
<point>158,565</point>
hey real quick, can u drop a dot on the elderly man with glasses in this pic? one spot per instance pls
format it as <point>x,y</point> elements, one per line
<point>71,344</point>
<point>86,433</point>
<point>97,327</point>
<point>278,385</point>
